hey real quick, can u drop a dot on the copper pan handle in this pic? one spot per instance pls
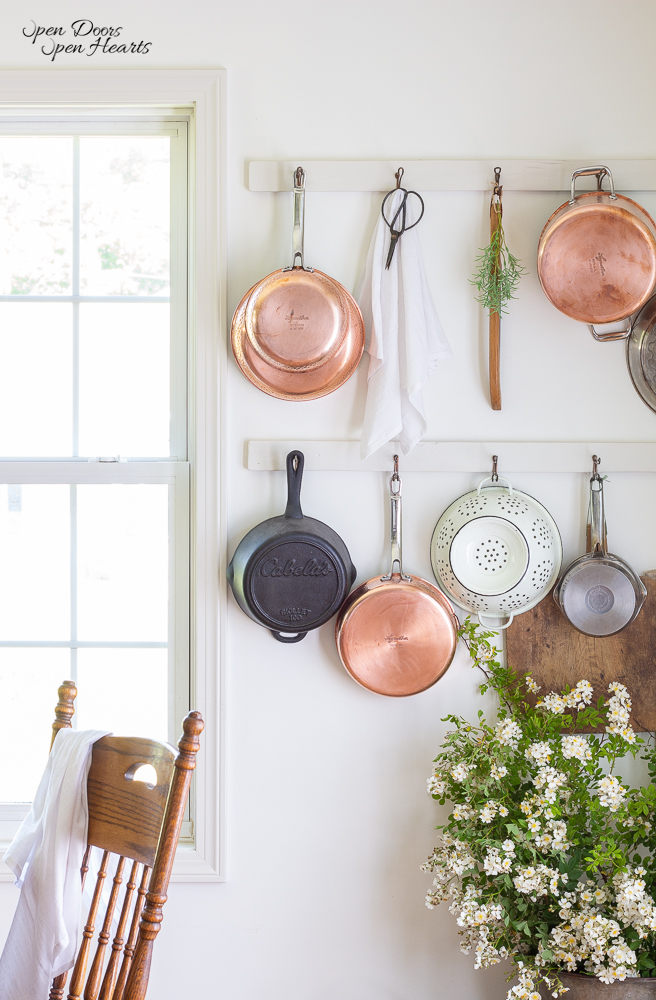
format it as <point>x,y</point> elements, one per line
<point>604,337</point>
<point>600,172</point>
<point>298,227</point>
<point>396,567</point>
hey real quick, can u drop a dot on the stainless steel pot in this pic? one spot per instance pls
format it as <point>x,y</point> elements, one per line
<point>641,353</point>
<point>599,593</point>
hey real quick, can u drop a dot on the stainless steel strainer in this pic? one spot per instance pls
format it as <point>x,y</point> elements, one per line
<point>496,551</point>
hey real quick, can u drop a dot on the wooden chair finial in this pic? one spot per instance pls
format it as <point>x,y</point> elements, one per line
<point>65,708</point>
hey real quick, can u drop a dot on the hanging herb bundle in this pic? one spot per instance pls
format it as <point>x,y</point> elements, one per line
<point>499,272</point>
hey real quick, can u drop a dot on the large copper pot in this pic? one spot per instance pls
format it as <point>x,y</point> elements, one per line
<point>298,334</point>
<point>396,634</point>
<point>597,256</point>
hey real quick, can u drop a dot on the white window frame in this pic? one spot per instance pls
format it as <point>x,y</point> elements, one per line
<point>170,92</point>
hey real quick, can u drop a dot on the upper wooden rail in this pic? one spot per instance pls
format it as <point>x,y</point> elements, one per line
<point>447,175</point>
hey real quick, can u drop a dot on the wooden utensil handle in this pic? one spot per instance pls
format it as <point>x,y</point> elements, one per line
<point>495,360</point>
<point>495,327</point>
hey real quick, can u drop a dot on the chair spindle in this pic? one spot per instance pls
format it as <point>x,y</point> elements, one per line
<point>80,967</point>
<point>128,951</point>
<point>111,971</point>
<point>92,988</point>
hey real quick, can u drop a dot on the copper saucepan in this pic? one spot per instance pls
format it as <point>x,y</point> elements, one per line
<point>396,634</point>
<point>298,334</point>
<point>597,256</point>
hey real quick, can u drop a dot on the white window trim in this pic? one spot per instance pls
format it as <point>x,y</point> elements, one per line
<point>205,92</point>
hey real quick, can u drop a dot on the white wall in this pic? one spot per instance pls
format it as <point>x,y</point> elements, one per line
<point>327,815</point>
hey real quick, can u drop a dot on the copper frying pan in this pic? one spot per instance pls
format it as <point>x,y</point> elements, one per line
<point>396,634</point>
<point>297,334</point>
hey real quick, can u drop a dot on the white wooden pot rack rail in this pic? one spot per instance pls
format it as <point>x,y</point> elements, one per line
<point>458,456</point>
<point>446,175</point>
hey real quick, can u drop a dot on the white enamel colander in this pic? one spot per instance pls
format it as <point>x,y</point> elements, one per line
<point>496,551</point>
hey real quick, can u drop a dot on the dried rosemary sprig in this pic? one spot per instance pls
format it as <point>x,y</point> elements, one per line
<point>498,275</point>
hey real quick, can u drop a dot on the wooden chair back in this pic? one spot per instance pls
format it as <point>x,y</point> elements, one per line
<point>139,822</point>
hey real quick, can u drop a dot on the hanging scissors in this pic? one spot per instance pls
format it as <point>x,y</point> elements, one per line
<point>396,233</point>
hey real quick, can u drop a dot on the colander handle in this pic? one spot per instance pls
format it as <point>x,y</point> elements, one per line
<point>497,628</point>
<point>490,479</point>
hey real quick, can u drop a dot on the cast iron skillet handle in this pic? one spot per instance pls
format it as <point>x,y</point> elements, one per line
<point>295,463</point>
<point>287,638</point>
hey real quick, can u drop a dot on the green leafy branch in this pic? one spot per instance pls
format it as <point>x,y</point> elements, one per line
<point>498,274</point>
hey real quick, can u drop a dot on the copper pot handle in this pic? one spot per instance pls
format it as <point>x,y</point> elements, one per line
<point>396,567</point>
<point>604,337</point>
<point>298,227</point>
<point>600,172</point>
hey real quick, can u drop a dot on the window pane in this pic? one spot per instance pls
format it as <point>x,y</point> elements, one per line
<point>35,379</point>
<point>123,690</point>
<point>36,215</point>
<point>34,563</point>
<point>124,379</point>
<point>29,679</point>
<point>125,211</point>
<point>123,563</point>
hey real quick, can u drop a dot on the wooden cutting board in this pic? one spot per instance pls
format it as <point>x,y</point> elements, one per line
<point>543,643</point>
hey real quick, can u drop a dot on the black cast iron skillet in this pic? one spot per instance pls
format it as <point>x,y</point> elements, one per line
<point>291,573</point>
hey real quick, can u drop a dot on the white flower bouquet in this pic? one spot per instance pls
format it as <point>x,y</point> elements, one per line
<point>548,857</point>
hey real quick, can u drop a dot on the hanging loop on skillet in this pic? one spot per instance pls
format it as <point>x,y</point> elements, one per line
<point>298,230</point>
<point>287,637</point>
<point>396,568</point>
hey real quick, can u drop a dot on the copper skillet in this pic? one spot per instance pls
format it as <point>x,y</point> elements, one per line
<point>297,334</point>
<point>396,634</point>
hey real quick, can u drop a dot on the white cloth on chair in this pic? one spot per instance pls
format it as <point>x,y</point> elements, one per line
<point>46,856</point>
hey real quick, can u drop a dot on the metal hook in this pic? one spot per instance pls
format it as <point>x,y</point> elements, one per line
<point>497,178</point>
<point>299,177</point>
<point>495,458</point>
<point>399,177</point>
<point>596,461</point>
<point>395,478</point>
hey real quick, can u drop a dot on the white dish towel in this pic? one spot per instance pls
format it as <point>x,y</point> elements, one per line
<point>45,856</point>
<point>405,339</point>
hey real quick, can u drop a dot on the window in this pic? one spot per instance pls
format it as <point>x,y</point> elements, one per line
<point>99,428</point>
